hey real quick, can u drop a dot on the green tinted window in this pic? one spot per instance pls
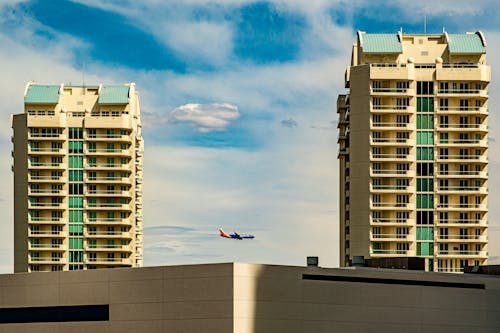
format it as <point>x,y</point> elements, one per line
<point>425,201</point>
<point>76,216</point>
<point>75,243</point>
<point>75,202</point>
<point>425,104</point>
<point>75,175</point>
<point>425,121</point>
<point>425,249</point>
<point>425,233</point>
<point>75,162</point>
<point>425,185</point>
<point>425,138</point>
<point>425,153</point>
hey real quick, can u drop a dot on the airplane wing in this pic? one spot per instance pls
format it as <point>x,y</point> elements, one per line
<point>224,234</point>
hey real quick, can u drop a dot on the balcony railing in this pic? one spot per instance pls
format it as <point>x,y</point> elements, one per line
<point>459,253</point>
<point>391,221</point>
<point>392,236</point>
<point>462,221</point>
<point>391,156</point>
<point>46,246</point>
<point>391,252</point>
<point>390,90</point>
<point>462,237</point>
<point>34,150</point>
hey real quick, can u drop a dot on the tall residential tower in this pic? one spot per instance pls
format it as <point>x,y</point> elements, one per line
<point>413,140</point>
<point>78,178</point>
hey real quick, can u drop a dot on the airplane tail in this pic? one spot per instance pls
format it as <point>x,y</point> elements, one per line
<point>223,234</point>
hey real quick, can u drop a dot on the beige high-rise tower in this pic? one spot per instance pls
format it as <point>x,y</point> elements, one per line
<point>413,140</point>
<point>78,178</point>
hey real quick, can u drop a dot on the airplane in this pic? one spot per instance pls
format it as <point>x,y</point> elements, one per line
<point>234,235</point>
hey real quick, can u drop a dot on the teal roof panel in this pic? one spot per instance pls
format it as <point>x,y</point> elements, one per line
<point>114,95</point>
<point>465,44</point>
<point>42,94</point>
<point>381,43</point>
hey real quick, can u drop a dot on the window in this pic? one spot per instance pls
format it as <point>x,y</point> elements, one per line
<point>443,137</point>
<point>425,249</point>
<point>443,104</point>
<point>425,217</point>
<point>425,185</point>
<point>425,201</point>
<point>425,138</point>
<point>425,169</point>
<point>425,104</point>
<point>443,201</point>
<point>425,121</point>
<point>425,153</point>
<point>75,162</point>
<point>76,133</point>
<point>75,202</point>
<point>425,233</point>
<point>425,88</point>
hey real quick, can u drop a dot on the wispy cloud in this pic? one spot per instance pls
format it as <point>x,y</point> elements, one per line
<point>290,123</point>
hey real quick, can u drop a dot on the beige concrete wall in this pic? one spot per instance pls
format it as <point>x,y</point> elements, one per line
<point>247,298</point>
<point>276,299</point>
<point>20,168</point>
<point>359,161</point>
<point>195,298</point>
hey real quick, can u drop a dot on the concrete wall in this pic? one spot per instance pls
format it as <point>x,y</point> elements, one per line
<point>247,298</point>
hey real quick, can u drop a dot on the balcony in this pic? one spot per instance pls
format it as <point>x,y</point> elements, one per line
<point>108,221</point>
<point>464,110</point>
<point>108,152</point>
<point>462,223</point>
<point>462,93</point>
<point>45,166</point>
<point>46,179</point>
<point>390,253</point>
<point>391,71</point>
<point>391,188</point>
<point>392,238</point>
<point>108,193</point>
<point>46,220</point>
<point>391,142</point>
<point>107,137</point>
<point>391,173</point>
<point>47,136</point>
<point>462,158</point>
<point>107,206</point>
<point>108,248</point>
<point>388,108</point>
<point>450,269</point>
<point>107,234</point>
<point>466,72</point>
<point>46,151</point>
<point>47,205</point>
<point>462,207</point>
<point>462,189</point>
<point>391,126</point>
<point>47,247</point>
<point>391,206</point>
<point>391,157</point>
<point>108,180</point>
<point>391,221</point>
<point>463,238</point>
<point>108,261</point>
<point>382,91</point>
<point>462,128</point>
<point>48,233</point>
<point>463,174</point>
<point>472,143</point>
<point>462,254</point>
<point>107,166</point>
<point>47,260</point>
<point>46,192</point>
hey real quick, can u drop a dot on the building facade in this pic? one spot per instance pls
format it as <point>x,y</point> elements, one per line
<point>248,298</point>
<point>413,140</point>
<point>77,178</point>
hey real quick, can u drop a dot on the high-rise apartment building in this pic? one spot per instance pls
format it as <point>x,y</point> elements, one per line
<point>413,140</point>
<point>78,178</point>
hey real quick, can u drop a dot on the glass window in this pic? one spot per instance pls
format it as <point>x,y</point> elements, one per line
<point>425,121</point>
<point>425,138</point>
<point>425,201</point>
<point>425,104</point>
<point>75,202</point>
<point>425,153</point>
<point>76,216</point>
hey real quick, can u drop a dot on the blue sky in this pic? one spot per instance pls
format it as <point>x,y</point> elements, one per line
<point>238,101</point>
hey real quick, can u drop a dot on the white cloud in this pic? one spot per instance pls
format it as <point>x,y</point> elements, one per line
<point>206,117</point>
